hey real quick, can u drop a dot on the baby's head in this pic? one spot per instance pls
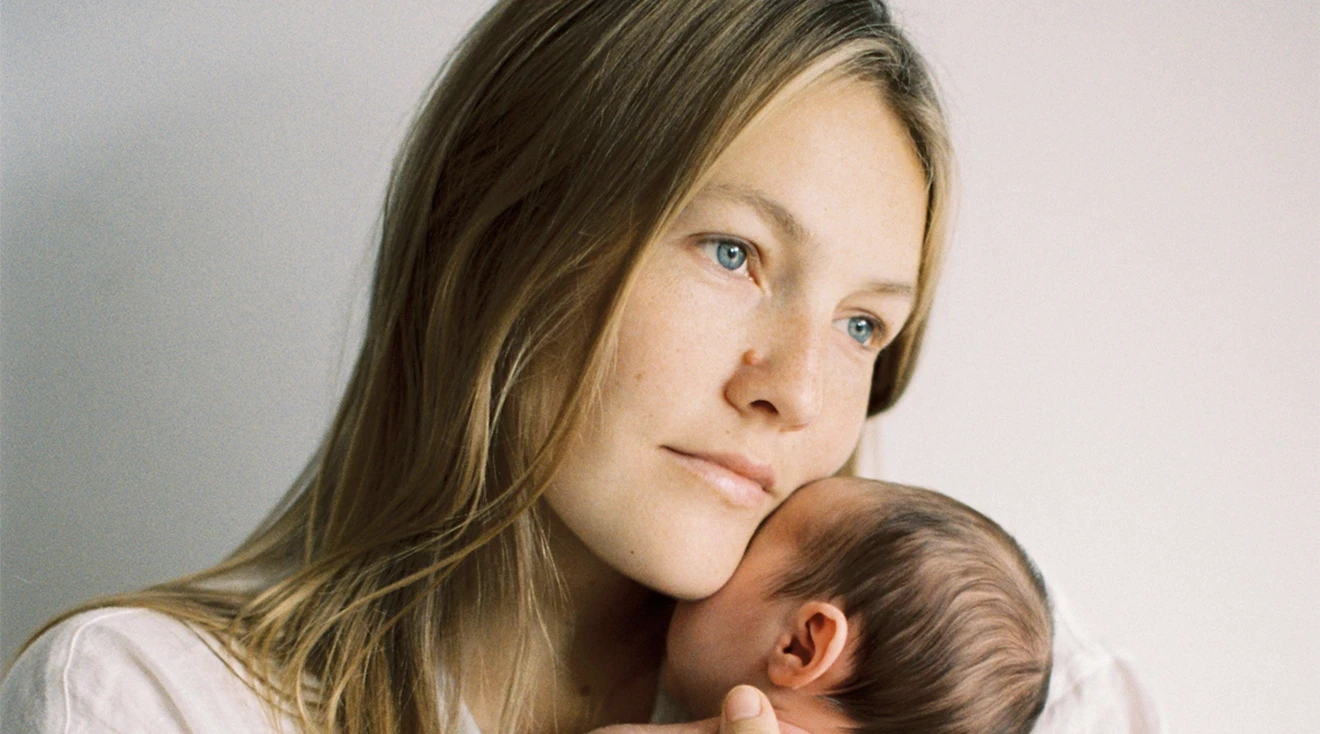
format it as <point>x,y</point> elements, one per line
<point>873,607</point>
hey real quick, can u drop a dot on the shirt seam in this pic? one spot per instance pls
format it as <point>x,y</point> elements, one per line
<point>68,662</point>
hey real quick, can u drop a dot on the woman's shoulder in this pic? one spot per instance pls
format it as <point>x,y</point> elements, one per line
<point>1092,689</point>
<point>128,669</point>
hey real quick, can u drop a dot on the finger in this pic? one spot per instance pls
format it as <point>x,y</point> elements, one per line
<point>747,711</point>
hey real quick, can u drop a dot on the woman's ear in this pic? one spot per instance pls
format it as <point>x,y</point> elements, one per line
<point>811,647</point>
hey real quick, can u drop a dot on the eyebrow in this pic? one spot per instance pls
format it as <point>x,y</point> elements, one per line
<point>890,287</point>
<point>785,224</point>
<point>788,227</point>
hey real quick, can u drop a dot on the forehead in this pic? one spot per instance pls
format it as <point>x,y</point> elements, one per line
<point>836,167</point>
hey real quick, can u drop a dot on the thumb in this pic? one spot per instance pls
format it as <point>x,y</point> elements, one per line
<point>747,711</point>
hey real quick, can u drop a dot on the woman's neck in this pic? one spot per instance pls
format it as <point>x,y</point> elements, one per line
<point>600,598</point>
<point>612,637</point>
<point>605,649</point>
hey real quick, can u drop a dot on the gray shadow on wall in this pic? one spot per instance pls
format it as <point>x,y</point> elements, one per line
<point>175,288</point>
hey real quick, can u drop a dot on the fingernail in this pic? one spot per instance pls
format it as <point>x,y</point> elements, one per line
<point>743,703</point>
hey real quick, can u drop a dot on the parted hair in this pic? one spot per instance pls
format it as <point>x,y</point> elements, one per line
<point>557,143</point>
<point>954,625</point>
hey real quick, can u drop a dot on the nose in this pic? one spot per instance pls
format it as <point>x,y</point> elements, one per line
<point>780,379</point>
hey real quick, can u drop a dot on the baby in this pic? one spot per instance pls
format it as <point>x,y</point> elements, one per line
<point>864,606</point>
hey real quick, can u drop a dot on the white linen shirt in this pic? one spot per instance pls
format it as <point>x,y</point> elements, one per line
<point>135,670</point>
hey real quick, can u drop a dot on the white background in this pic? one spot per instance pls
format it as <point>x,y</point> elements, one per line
<point>1122,367</point>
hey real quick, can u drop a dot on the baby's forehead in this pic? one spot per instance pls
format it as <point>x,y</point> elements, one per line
<point>840,492</point>
<point>826,501</point>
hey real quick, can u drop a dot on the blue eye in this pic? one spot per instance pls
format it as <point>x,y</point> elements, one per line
<point>730,255</point>
<point>862,328</point>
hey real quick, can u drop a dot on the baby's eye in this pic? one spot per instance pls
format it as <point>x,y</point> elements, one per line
<point>730,254</point>
<point>864,329</point>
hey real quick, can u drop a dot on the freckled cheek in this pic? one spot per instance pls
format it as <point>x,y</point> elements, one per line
<point>846,393</point>
<point>683,333</point>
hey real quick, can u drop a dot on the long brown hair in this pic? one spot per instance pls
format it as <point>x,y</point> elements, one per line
<point>559,140</point>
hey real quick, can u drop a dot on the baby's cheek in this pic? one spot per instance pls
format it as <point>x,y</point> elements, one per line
<point>687,638</point>
<point>698,663</point>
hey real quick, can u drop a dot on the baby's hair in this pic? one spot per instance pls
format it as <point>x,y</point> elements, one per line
<point>954,624</point>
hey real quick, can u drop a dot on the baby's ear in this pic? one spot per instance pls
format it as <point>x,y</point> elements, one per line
<point>811,648</point>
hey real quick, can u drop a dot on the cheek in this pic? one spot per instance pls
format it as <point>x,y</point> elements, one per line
<point>679,339</point>
<point>847,390</point>
<point>707,655</point>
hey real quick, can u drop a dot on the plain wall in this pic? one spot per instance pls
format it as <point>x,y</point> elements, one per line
<point>1121,369</point>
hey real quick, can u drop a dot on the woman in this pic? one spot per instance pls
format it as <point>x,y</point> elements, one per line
<point>645,268</point>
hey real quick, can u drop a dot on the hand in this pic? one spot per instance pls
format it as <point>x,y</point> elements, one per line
<point>746,711</point>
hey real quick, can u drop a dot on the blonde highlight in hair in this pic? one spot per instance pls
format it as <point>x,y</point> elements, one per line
<point>557,143</point>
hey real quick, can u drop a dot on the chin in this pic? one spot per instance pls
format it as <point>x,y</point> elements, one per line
<point>686,579</point>
<point>687,589</point>
<point>689,593</point>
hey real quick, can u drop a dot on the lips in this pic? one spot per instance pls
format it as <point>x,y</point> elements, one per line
<point>741,481</point>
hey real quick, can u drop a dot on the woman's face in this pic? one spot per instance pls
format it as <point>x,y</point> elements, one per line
<point>746,347</point>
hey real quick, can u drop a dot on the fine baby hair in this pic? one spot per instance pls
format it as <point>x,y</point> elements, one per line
<point>943,622</point>
<point>955,628</point>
